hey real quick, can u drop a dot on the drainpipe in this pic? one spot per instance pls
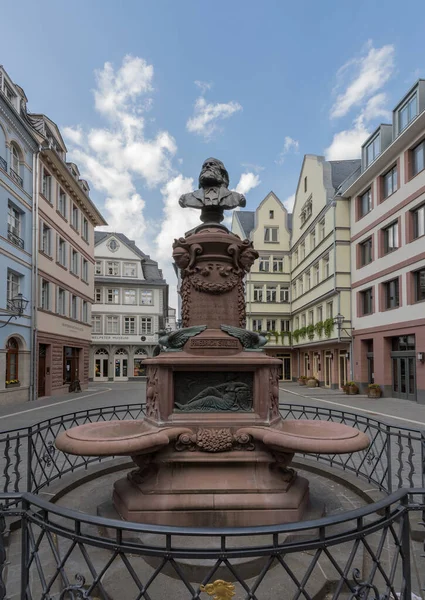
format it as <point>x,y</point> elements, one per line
<point>34,275</point>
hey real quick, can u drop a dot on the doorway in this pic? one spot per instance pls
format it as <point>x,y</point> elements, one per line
<point>42,355</point>
<point>328,369</point>
<point>121,365</point>
<point>101,364</point>
<point>70,364</point>
<point>285,371</point>
<point>306,364</point>
<point>342,368</point>
<point>404,377</point>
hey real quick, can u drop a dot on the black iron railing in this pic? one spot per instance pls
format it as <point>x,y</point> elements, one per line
<point>16,177</point>
<point>14,238</point>
<point>3,164</point>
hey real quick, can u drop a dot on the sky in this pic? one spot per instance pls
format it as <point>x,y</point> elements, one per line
<point>143,91</point>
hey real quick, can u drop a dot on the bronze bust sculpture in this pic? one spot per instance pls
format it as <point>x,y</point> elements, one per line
<point>213,195</point>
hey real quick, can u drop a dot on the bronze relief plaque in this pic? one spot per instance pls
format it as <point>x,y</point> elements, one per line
<point>228,391</point>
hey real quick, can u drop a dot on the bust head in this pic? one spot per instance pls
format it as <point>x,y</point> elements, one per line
<point>213,173</point>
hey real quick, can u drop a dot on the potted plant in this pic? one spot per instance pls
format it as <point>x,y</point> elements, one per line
<point>351,388</point>
<point>296,335</point>
<point>11,383</point>
<point>374,390</point>
<point>310,332</point>
<point>328,327</point>
<point>302,380</point>
<point>319,328</point>
<point>312,382</point>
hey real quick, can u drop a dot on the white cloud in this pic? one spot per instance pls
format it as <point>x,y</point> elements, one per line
<point>247,182</point>
<point>375,108</point>
<point>75,136</point>
<point>347,144</point>
<point>369,73</point>
<point>204,86</point>
<point>290,145</point>
<point>253,167</point>
<point>206,115</point>
<point>289,203</point>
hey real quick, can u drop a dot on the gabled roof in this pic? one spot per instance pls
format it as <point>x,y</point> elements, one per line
<point>341,169</point>
<point>246,220</point>
<point>151,271</point>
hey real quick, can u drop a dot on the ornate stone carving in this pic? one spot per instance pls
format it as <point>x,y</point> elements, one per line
<point>199,280</point>
<point>283,459</point>
<point>232,396</point>
<point>241,304</point>
<point>214,440</point>
<point>146,470</point>
<point>175,340</point>
<point>274,393</point>
<point>249,339</point>
<point>244,255</point>
<point>152,393</point>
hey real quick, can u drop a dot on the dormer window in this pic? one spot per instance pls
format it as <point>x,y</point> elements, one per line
<point>407,112</point>
<point>373,149</point>
<point>9,93</point>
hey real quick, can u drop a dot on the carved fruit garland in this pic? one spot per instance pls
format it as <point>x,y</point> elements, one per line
<point>214,440</point>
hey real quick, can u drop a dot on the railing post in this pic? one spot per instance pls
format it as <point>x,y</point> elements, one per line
<point>24,551</point>
<point>3,555</point>
<point>423,458</point>
<point>405,549</point>
<point>389,461</point>
<point>29,460</point>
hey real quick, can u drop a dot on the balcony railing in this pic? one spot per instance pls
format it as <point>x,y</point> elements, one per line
<point>14,238</point>
<point>3,164</point>
<point>16,178</point>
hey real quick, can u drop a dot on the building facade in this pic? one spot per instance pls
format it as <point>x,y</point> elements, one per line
<point>388,253</point>
<point>267,286</point>
<point>18,148</point>
<point>131,306</point>
<point>320,275</point>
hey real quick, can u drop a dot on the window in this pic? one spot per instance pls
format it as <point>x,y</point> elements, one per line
<point>130,270</point>
<point>407,113</point>
<point>129,325</point>
<point>14,226</point>
<point>130,297</point>
<point>419,221</point>
<point>312,240</point>
<point>74,307</point>
<point>391,293</point>
<point>61,302</point>
<point>62,252</point>
<point>45,295</point>
<point>98,267</point>
<point>146,325</point>
<point>303,321</point>
<point>365,203</point>
<point>85,229</point>
<point>75,217</point>
<point>294,291</point>
<point>62,202</point>
<point>310,317</point>
<point>112,324</point>
<point>319,313</point>
<point>300,286</point>
<point>15,168</point>
<point>271,214</point>
<point>271,294</point>
<point>98,295</point>
<point>146,297</point>
<point>285,325</point>
<point>12,360</point>
<point>271,234</point>
<point>264,263</point>
<point>329,310</point>
<point>46,185</point>
<point>277,265</point>
<point>257,324</point>
<point>297,323</point>
<point>271,325</point>
<point>258,293</point>
<point>418,158</point>
<point>74,262</point>
<point>419,283</point>
<point>284,294</point>
<point>113,296</point>
<point>85,312</point>
<point>46,239</point>
<point>85,270</point>
<point>295,258</point>
<point>13,286</point>
<point>302,251</point>
<point>391,238</point>
<point>366,302</point>
<point>373,150</point>
<point>366,252</point>
<point>96,323</point>
<point>326,266</point>
<point>113,268</point>
<point>307,280</point>
<point>321,230</point>
<point>389,182</point>
<point>316,273</point>
<point>305,184</point>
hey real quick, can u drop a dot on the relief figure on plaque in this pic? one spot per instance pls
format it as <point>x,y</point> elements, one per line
<point>233,396</point>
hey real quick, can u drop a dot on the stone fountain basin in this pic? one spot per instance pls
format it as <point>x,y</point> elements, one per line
<point>131,438</point>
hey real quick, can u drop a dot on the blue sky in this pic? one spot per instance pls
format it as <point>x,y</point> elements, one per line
<point>275,80</point>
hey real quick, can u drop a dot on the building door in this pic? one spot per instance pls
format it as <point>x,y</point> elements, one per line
<point>121,365</point>
<point>306,364</point>
<point>101,363</point>
<point>342,368</point>
<point>316,365</point>
<point>328,369</point>
<point>42,352</point>
<point>403,359</point>
<point>71,364</point>
<point>285,371</point>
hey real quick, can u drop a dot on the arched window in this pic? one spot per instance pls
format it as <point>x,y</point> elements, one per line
<point>12,361</point>
<point>102,352</point>
<point>16,164</point>
<point>3,155</point>
<point>121,352</point>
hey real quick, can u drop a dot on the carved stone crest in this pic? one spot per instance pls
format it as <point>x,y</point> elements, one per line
<point>152,393</point>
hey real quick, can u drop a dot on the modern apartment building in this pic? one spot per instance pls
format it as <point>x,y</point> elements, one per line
<point>18,147</point>
<point>320,274</point>
<point>388,253</point>
<point>268,283</point>
<point>131,306</point>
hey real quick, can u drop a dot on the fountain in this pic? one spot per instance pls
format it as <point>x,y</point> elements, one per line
<point>213,449</point>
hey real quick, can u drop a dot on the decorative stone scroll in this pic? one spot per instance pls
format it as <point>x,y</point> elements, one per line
<point>214,440</point>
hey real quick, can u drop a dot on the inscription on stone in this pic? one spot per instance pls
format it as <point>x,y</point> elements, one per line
<point>213,343</point>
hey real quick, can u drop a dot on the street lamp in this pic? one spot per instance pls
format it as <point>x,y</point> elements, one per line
<point>17,306</point>
<point>339,321</point>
